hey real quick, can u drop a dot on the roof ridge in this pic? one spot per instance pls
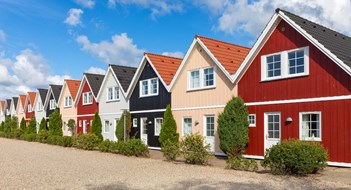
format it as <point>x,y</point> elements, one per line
<point>196,36</point>
<point>162,55</point>
<point>122,66</point>
<point>72,80</point>
<point>92,74</point>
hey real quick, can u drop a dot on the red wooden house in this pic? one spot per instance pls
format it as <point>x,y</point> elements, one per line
<point>29,105</point>
<point>87,104</point>
<point>296,83</point>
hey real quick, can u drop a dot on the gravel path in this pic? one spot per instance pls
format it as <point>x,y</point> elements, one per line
<point>25,165</point>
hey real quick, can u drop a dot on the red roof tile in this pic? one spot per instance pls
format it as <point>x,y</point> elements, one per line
<point>229,55</point>
<point>22,98</point>
<point>32,97</point>
<point>166,66</point>
<point>73,86</point>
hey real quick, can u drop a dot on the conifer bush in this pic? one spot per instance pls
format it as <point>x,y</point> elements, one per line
<point>67,141</point>
<point>32,126</point>
<point>120,127</point>
<point>194,150</point>
<point>233,129</point>
<point>55,123</point>
<point>2,126</point>
<point>23,124</point>
<point>42,125</point>
<point>169,128</point>
<point>86,141</point>
<point>42,136</point>
<point>96,127</point>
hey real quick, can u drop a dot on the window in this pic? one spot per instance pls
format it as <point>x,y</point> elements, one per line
<point>113,93</point>
<point>135,122</point>
<point>273,126</point>
<point>107,126</point>
<point>149,87</point>
<point>87,98</point>
<point>210,124</point>
<point>158,125</point>
<point>30,109</point>
<point>285,64</point>
<point>201,78</point>
<point>310,126</point>
<point>252,120</point>
<point>80,123</point>
<point>40,107</point>
<point>187,126</point>
<point>52,104</point>
<point>68,101</point>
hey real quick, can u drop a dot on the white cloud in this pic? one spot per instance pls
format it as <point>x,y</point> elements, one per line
<point>86,3</point>
<point>174,54</point>
<point>120,50</point>
<point>2,35</point>
<point>95,70</point>
<point>157,8</point>
<point>243,16</point>
<point>26,72</point>
<point>74,17</point>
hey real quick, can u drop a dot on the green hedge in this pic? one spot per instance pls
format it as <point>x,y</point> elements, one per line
<point>194,151</point>
<point>86,141</point>
<point>296,158</point>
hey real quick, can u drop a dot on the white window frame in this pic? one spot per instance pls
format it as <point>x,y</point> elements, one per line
<point>113,90</point>
<point>68,102</point>
<point>148,87</point>
<point>320,126</point>
<point>183,125</point>
<point>201,78</point>
<point>248,118</point>
<point>135,122</point>
<point>284,65</point>
<point>158,118</point>
<point>30,108</point>
<point>109,125</point>
<point>280,124</point>
<point>40,106</point>
<point>52,104</point>
<point>86,98</point>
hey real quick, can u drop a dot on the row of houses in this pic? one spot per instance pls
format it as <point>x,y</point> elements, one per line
<point>295,81</point>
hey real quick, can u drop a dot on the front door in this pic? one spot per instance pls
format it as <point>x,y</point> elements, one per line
<point>85,124</point>
<point>143,129</point>
<point>272,127</point>
<point>209,131</point>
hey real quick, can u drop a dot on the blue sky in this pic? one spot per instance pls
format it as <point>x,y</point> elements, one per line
<point>45,41</point>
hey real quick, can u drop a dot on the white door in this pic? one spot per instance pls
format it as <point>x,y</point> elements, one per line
<point>272,126</point>
<point>210,131</point>
<point>143,129</point>
<point>85,126</point>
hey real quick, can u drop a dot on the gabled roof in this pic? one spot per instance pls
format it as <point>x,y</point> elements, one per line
<point>31,97</point>
<point>333,44</point>
<point>56,90</point>
<point>228,57</point>
<point>124,75</point>
<point>22,99</point>
<point>73,86</point>
<point>15,101</point>
<point>2,104</point>
<point>94,82</point>
<point>42,94</point>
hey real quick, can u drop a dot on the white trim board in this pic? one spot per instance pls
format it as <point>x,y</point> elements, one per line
<point>198,107</point>
<point>154,148</point>
<point>339,164</point>
<point>116,113</point>
<point>303,100</point>
<point>148,111</point>
<point>85,115</point>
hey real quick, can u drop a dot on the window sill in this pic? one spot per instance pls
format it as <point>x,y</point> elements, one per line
<point>110,101</point>
<point>88,104</point>
<point>312,139</point>
<point>67,107</point>
<point>285,77</point>
<point>252,125</point>
<point>202,88</point>
<point>145,96</point>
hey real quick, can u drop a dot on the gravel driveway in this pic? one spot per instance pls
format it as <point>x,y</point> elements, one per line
<point>25,165</point>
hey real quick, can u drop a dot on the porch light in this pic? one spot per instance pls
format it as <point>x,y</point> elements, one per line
<point>196,122</point>
<point>289,120</point>
<point>150,122</point>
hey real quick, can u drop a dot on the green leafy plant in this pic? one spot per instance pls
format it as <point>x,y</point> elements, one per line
<point>233,129</point>
<point>2,126</point>
<point>17,133</point>
<point>106,145</point>
<point>169,128</point>
<point>42,125</point>
<point>32,126</point>
<point>86,141</point>
<point>133,147</point>
<point>42,136</point>
<point>28,137</point>
<point>295,157</point>
<point>120,127</point>
<point>67,141</point>
<point>54,140</point>
<point>11,123</point>
<point>96,127</point>
<point>241,163</point>
<point>170,150</point>
<point>194,151</point>
<point>23,124</point>
<point>55,123</point>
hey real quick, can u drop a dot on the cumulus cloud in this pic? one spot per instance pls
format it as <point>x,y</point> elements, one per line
<point>25,72</point>
<point>157,8</point>
<point>120,50</point>
<point>74,17</point>
<point>95,70</point>
<point>242,16</point>
<point>2,35</point>
<point>174,54</point>
<point>86,3</point>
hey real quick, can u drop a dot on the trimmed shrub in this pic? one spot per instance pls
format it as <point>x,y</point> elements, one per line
<point>28,137</point>
<point>42,136</point>
<point>169,128</point>
<point>120,127</point>
<point>55,123</point>
<point>42,125</point>
<point>2,134</point>
<point>54,140</point>
<point>170,150</point>
<point>32,126</point>
<point>194,150</point>
<point>2,126</point>
<point>233,129</point>
<point>86,141</point>
<point>241,163</point>
<point>133,147</point>
<point>105,146</point>
<point>295,157</point>
<point>67,141</point>
<point>96,127</point>
<point>17,133</point>
<point>23,124</point>
<point>11,123</point>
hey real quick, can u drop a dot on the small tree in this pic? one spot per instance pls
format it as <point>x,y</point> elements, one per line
<point>2,126</point>
<point>169,128</point>
<point>96,126</point>
<point>14,122</point>
<point>120,126</point>
<point>32,129</point>
<point>42,125</point>
<point>23,124</point>
<point>71,125</point>
<point>55,123</point>
<point>233,127</point>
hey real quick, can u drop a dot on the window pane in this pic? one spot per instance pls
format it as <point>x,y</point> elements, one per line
<point>310,126</point>
<point>107,126</point>
<point>296,62</point>
<point>116,93</point>
<point>195,79</point>
<point>187,128</point>
<point>145,88</point>
<point>273,66</point>
<point>210,126</point>
<point>154,86</point>
<point>208,77</point>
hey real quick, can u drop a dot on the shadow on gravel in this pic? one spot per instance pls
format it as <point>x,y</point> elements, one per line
<point>119,186</point>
